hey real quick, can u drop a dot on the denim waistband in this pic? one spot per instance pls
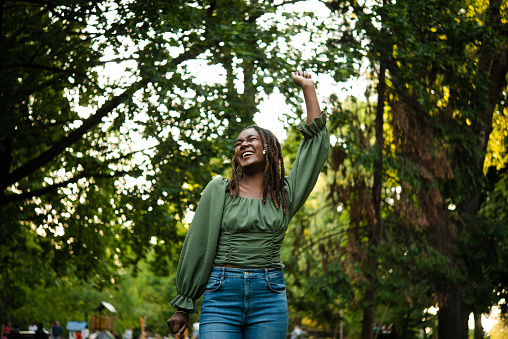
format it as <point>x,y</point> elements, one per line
<point>245,271</point>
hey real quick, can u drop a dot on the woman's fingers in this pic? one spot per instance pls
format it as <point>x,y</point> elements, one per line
<point>305,74</point>
<point>302,78</point>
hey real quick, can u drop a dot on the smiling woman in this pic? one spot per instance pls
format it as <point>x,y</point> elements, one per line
<point>232,251</point>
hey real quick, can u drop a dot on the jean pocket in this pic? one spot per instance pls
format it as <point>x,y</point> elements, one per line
<point>213,284</point>
<point>276,283</point>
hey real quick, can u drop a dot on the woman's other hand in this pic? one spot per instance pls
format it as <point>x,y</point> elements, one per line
<point>178,323</point>
<point>302,79</point>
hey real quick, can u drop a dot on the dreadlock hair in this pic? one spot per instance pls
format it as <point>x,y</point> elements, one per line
<point>274,176</point>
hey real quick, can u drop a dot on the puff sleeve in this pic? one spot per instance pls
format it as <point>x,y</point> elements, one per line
<point>198,251</point>
<point>310,158</point>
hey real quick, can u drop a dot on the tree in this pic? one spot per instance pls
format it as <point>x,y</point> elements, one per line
<point>98,170</point>
<point>446,76</point>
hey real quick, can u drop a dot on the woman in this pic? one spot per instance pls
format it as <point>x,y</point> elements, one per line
<point>232,250</point>
<point>6,330</point>
<point>40,333</point>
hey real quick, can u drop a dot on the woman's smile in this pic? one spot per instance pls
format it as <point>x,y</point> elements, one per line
<point>246,154</point>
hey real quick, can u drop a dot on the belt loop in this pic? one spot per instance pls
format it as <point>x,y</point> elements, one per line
<point>223,274</point>
<point>266,276</point>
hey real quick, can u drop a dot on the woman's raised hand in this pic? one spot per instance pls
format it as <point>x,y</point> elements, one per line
<point>302,79</point>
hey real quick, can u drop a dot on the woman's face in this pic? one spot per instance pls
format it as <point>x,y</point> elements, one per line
<point>249,150</point>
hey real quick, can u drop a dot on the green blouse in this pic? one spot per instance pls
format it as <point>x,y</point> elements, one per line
<point>242,232</point>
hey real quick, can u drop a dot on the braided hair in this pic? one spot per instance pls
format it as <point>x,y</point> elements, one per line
<point>274,177</point>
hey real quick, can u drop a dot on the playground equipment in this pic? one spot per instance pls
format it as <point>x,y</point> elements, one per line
<point>102,324</point>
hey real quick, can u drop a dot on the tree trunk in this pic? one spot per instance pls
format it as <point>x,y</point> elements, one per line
<point>3,319</point>
<point>250,92</point>
<point>453,316</point>
<point>478,328</point>
<point>369,311</point>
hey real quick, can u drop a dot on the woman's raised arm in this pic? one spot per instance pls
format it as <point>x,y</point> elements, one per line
<point>304,80</point>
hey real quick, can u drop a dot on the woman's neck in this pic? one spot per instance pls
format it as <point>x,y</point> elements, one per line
<point>252,186</point>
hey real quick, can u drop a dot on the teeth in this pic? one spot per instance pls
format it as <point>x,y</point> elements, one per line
<point>247,153</point>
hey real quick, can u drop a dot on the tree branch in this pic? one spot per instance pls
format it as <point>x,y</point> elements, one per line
<point>48,189</point>
<point>38,2</point>
<point>56,70</point>
<point>116,61</point>
<point>74,136</point>
<point>288,2</point>
<point>35,193</point>
<point>47,68</point>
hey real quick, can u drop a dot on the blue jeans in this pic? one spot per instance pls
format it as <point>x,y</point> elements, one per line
<point>244,304</point>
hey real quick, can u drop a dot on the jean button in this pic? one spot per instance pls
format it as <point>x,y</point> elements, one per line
<point>247,273</point>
